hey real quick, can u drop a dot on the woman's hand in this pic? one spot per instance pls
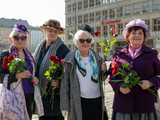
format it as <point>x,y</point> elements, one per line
<point>35,81</point>
<point>55,83</point>
<point>125,90</point>
<point>104,67</point>
<point>145,84</point>
<point>25,74</point>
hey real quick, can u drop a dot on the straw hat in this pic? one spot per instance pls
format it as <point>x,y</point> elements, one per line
<point>52,24</point>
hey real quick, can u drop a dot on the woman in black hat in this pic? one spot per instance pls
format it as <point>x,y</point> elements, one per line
<point>52,45</point>
<point>81,90</point>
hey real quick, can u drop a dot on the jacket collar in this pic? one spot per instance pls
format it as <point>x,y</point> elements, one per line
<point>145,49</point>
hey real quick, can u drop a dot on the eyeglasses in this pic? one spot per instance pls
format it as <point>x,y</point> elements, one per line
<point>87,40</point>
<point>19,37</point>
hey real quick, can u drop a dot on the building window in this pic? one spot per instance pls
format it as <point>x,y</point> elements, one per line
<point>111,13</point>
<point>91,3</point>
<point>86,18</point>
<point>147,7</point>
<point>156,24</point>
<point>98,2</point>
<point>73,6</point>
<point>120,12</point>
<point>73,20</point>
<point>92,17</point>
<point>155,5</point>
<point>98,16</point>
<point>79,19</point>
<point>128,10</point>
<point>69,20</point>
<point>119,28</point>
<point>104,15</point>
<point>85,3</point>
<point>68,8</point>
<point>137,8</point>
<point>79,5</point>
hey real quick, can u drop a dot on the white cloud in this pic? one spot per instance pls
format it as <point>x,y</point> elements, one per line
<point>36,12</point>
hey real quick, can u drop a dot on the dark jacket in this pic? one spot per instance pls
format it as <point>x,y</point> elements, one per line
<point>147,65</point>
<point>60,51</point>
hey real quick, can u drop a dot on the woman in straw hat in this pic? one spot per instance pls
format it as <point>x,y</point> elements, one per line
<point>51,45</point>
<point>136,103</point>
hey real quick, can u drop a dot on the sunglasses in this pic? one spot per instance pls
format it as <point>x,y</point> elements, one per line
<point>19,37</point>
<point>87,40</point>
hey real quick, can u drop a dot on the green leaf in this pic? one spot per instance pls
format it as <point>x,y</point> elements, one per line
<point>102,44</point>
<point>113,42</point>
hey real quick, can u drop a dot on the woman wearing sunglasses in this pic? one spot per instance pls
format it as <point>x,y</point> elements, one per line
<point>24,92</point>
<point>81,90</point>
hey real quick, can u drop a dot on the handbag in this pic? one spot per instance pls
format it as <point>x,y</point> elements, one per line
<point>12,101</point>
<point>38,101</point>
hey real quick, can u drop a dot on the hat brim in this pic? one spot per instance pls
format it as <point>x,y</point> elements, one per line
<point>42,28</point>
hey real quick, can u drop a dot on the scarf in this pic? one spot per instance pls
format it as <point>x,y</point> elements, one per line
<point>134,53</point>
<point>93,63</point>
<point>46,61</point>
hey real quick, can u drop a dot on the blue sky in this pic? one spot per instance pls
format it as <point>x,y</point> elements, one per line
<point>36,12</point>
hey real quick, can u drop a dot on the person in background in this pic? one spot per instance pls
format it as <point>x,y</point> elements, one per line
<point>136,103</point>
<point>51,45</point>
<point>23,97</point>
<point>81,90</point>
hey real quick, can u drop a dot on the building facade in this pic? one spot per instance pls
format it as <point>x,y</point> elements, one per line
<point>102,15</point>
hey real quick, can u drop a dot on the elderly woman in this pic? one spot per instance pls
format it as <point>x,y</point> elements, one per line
<point>51,45</point>
<point>81,89</point>
<point>24,92</point>
<point>136,103</point>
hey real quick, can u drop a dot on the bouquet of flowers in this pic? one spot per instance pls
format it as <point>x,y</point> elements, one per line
<point>13,64</point>
<point>54,72</point>
<point>129,76</point>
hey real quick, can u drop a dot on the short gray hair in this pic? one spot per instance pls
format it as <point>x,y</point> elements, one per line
<point>80,32</point>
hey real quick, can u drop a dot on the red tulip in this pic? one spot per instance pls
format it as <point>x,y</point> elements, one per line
<point>113,29</point>
<point>114,67</point>
<point>4,66</point>
<point>5,60</point>
<point>10,57</point>
<point>62,61</point>
<point>51,57</point>
<point>97,33</point>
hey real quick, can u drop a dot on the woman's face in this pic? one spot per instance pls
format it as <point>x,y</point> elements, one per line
<point>136,38</point>
<point>51,34</point>
<point>19,40</point>
<point>84,42</point>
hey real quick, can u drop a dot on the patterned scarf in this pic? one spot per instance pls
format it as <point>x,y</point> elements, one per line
<point>93,63</point>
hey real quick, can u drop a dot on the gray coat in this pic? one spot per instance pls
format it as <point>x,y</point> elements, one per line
<point>70,88</point>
